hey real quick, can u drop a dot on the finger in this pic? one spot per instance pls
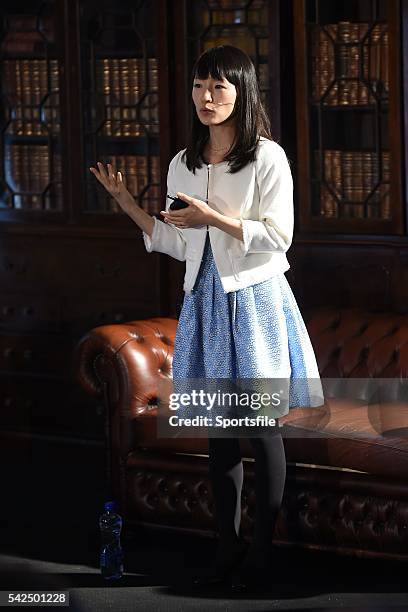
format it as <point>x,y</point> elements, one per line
<point>170,219</point>
<point>173,220</point>
<point>98,176</point>
<point>175,215</point>
<point>111,175</point>
<point>102,170</point>
<point>183,196</point>
<point>111,171</point>
<point>94,171</point>
<point>178,223</point>
<point>178,214</point>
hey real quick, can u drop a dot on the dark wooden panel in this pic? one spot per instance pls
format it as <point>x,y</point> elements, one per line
<point>44,354</point>
<point>81,313</point>
<point>49,406</point>
<point>345,275</point>
<point>26,311</point>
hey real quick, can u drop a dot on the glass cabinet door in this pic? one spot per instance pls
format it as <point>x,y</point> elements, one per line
<point>120,100</point>
<point>239,23</point>
<point>349,155</point>
<point>30,129</point>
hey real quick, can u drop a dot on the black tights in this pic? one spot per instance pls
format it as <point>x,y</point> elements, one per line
<point>226,474</point>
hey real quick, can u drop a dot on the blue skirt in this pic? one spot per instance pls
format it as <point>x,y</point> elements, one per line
<point>254,332</point>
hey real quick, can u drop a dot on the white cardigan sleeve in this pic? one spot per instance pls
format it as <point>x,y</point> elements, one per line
<point>167,238</point>
<point>274,230</point>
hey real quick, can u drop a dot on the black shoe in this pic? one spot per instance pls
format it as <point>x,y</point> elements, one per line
<point>251,575</point>
<point>225,563</point>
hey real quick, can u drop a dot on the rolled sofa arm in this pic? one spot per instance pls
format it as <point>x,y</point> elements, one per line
<point>130,358</point>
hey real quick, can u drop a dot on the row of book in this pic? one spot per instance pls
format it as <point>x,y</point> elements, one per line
<point>125,121</point>
<point>144,188</point>
<point>30,181</point>
<point>349,178</point>
<point>27,81</point>
<point>130,98</point>
<point>36,121</point>
<point>32,184</point>
<point>338,52</point>
<point>30,89</point>
<point>128,78</point>
<point>129,88</point>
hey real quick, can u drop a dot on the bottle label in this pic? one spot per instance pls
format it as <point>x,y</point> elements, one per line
<point>112,559</point>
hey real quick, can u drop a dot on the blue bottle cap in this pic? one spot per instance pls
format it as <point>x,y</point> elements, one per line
<point>110,506</point>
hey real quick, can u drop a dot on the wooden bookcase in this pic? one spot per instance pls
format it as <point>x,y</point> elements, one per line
<point>351,114</point>
<point>349,137</point>
<point>81,82</point>
<point>86,81</point>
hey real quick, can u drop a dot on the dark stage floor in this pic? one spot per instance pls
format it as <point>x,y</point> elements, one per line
<point>50,541</point>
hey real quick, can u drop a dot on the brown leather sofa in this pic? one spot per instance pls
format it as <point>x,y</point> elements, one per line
<point>347,463</point>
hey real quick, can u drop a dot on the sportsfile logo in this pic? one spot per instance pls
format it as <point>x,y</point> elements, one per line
<point>203,407</point>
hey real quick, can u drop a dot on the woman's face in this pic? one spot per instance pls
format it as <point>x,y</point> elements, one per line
<point>216,96</point>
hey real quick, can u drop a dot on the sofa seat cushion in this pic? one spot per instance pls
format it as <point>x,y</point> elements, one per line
<point>344,434</point>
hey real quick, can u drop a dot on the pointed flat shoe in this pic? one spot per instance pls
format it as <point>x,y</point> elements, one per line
<point>221,570</point>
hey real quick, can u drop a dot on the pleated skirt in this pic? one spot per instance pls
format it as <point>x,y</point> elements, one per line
<point>253,333</point>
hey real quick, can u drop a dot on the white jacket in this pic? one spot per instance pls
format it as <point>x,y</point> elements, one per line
<point>260,195</point>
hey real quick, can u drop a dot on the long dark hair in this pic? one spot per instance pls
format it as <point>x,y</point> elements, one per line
<point>226,61</point>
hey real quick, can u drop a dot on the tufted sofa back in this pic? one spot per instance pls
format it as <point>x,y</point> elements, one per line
<point>349,343</point>
<point>354,346</point>
<point>356,343</point>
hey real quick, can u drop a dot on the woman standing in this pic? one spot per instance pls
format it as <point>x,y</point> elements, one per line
<point>239,318</point>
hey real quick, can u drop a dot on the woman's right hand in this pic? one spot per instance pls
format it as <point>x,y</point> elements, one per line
<point>112,181</point>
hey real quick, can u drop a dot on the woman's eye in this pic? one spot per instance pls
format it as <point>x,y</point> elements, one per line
<point>199,85</point>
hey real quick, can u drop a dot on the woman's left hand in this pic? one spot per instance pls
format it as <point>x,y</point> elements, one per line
<point>197,213</point>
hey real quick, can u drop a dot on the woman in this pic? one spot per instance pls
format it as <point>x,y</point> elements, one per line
<point>239,318</point>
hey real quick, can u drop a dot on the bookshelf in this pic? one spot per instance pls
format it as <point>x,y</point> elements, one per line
<point>31,121</point>
<point>123,109</point>
<point>120,114</point>
<point>350,152</point>
<point>86,81</point>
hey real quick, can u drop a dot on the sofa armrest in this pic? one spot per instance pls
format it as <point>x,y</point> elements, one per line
<point>129,358</point>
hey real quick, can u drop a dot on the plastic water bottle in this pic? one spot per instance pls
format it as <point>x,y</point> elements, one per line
<point>111,557</point>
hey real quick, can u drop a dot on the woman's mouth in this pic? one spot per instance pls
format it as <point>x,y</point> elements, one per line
<point>206,110</point>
